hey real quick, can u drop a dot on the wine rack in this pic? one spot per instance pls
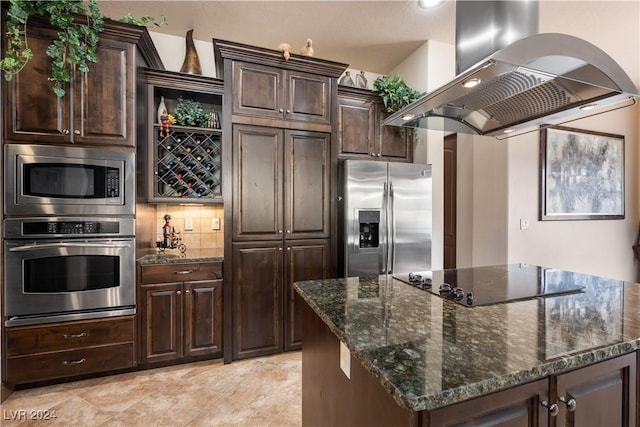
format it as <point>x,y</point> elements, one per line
<point>188,166</point>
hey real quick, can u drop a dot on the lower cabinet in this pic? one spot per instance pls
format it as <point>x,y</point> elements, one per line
<point>180,319</point>
<point>602,394</point>
<point>69,349</point>
<point>266,309</point>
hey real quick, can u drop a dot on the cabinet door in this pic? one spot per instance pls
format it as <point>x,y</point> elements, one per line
<point>161,322</point>
<point>104,97</point>
<point>33,113</point>
<point>257,183</point>
<point>257,299</point>
<point>304,260</point>
<point>202,317</point>
<point>518,406</point>
<point>308,97</point>
<point>355,127</point>
<point>393,143</point>
<point>307,187</point>
<point>258,90</point>
<point>603,394</point>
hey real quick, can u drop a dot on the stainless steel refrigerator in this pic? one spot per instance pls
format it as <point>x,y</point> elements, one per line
<point>385,219</point>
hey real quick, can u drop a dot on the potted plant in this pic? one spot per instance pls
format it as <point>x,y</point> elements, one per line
<point>77,38</point>
<point>395,95</point>
<point>190,113</point>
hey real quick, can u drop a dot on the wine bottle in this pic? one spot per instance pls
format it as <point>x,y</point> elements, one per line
<point>191,166</point>
<point>181,174</point>
<point>208,149</point>
<point>188,148</point>
<point>199,157</point>
<point>200,191</point>
<point>209,166</point>
<point>190,183</point>
<point>181,191</point>
<point>210,183</point>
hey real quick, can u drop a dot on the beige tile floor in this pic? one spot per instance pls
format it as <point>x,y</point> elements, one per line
<point>263,391</point>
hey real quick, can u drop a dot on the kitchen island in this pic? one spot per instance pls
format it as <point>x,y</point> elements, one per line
<point>377,351</point>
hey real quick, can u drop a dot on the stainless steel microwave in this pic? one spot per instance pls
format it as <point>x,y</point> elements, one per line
<point>61,180</point>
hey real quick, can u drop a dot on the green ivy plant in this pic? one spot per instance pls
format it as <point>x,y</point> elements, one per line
<point>396,95</point>
<point>190,113</point>
<point>77,40</point>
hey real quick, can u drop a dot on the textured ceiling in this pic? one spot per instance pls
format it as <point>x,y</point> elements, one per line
<point>369,35</point>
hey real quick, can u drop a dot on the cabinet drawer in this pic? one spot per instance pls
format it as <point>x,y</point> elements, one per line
<point>165,273</point>
<point>26,340</point>
<point>45,366</point>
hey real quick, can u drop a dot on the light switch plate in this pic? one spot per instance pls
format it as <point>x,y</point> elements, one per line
<point>188,224</point>
<point>215,223</point>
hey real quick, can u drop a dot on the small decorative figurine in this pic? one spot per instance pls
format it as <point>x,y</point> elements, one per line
<point>170,239</point>
<point>165,124</point>
<point>307,49</point>
<point>346,80</point>
<point>285,48</point>
<point>361,80</point>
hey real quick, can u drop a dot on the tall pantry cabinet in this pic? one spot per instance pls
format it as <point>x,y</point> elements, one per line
<point>278,216</point>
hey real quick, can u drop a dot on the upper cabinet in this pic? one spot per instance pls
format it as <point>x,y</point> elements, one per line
<point>280,94</point>
<point>361,134</point>
<point>98,107</point>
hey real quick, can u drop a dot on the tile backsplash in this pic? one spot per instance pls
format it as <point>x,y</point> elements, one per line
<point>202,236</point>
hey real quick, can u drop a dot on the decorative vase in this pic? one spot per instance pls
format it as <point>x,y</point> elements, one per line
<point>191,64</point>
<point>162,109</point>
<point>346,80</point>
<point>361,80</point>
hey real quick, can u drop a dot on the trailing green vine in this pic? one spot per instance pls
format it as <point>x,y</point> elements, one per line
<point>396,95</point>
<point>77,40</point>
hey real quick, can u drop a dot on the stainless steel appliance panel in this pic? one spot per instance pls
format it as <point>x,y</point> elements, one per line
<point>52,277</point>
<point>410,211</point>
<point>61,180</point>
<point>365,196</point>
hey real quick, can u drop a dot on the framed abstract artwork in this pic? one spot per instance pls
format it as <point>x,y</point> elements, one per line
<point>581,175</point>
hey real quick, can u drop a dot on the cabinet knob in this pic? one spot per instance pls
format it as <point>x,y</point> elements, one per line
<point>571,403</point>
<point>281,110</point>
<point>373,154</point>
<point>279,231</point>
<point>378,155</point>
<point>179,292</point>
<point>77,132</point>
<point>187,291</point>
<point>65,131</point>
<point>288,231</point>
<point>280,249</point>
<point>288,111</point>
<point>553,408</point>
<point>289,248</point>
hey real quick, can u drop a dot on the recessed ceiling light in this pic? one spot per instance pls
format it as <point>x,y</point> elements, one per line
<point>427,4</point>
<point>509,130</point>
<point>471,83</point>
<point>407,116</point>
<point>588,107</point>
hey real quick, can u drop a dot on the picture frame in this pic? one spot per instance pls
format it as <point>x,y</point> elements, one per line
<point>581,175</point>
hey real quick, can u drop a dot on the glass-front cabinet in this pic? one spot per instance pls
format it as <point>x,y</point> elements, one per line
<point>185,137</point>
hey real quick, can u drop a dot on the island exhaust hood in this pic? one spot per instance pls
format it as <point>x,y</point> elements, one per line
<point>536,81</point>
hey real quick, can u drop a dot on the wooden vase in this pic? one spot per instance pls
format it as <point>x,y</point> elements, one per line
<point>191,64</point>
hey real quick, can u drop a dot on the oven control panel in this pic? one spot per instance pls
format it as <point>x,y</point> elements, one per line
<point>53,227</point>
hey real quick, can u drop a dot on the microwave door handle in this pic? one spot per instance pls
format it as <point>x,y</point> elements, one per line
<point>68,245</point>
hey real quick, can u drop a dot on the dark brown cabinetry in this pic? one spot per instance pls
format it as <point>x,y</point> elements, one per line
<point>180,312</point>
<point>184,162</point>
<point>361,134</point>
<point>99,106</point>
<point>280,94</point>
<point>65,350</point>
<point>278,223</point>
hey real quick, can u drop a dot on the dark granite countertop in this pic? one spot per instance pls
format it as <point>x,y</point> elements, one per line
<point>173,256</point>
<point>429,352</point>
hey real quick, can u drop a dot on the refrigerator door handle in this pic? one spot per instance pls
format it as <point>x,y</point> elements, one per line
<point>392,231</point>
<point>384,254</point>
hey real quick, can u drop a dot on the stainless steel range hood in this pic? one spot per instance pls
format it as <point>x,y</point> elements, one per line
<point>540,80</point>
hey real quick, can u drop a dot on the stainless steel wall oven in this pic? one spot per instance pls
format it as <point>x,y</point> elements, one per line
<point>68,268</point>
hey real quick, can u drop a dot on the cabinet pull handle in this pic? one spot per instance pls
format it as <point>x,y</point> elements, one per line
<point>74,336</point>
<point>179,292</point>
<point>183,272</point>
<point>74,362</point>
<point>553,408</point>
<point>571,403</point>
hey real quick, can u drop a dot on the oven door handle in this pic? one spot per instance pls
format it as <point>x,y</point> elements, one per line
<point>69,245</point>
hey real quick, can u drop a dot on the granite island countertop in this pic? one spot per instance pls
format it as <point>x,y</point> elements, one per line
<point>429,352</point>
<point>173,256</point>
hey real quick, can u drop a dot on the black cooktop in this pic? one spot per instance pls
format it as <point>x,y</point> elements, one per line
<point>477,286</point>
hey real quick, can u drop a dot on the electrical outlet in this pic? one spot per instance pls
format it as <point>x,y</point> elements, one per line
<point>524,223</point>
<point>188,224</point>
<point>215,223</point>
